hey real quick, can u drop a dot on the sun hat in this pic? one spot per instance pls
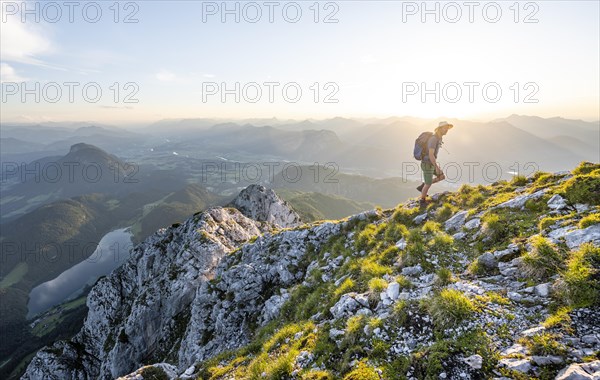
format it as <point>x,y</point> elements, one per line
<point>444,124</point>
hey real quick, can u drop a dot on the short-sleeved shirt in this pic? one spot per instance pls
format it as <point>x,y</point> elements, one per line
<point>433,143</point>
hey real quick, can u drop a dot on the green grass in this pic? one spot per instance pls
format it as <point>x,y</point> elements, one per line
<point>494,227</point>
<point>449,307</point>
<point>559,319</point>
<point>362,372</point>
<point>548,221</point>
<point>431,227</point>
<point>377,285</point>
<point>14,276</point>
<point>370,269</point>
<point>579,284</point>
<point>589,220</point>
<point>445,212</point>
<point>312,206</point>
<point>543,261</point>
<point>544,344</point>
<point>272,353</point>
<point>583,188</point>
<point>55,316</point>
<point>405,215</point>
<point>317,375</point>
<point>468,196</point>
<point>586,168</point>
<point>444,277</point>
<point>346,286</point>
<point>430,361</point>
<point>518,180</point>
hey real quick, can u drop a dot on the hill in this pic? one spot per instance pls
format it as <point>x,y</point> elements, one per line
<point>42,244</point>
<point>316,206</point>
<point>488,281</point>
<point>85,169</point>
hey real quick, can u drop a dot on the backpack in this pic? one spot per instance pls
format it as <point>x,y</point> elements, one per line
<point>421,145</point>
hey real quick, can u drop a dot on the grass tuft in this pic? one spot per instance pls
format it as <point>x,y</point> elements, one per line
<point>543,261</point>
<point>579,284</point>
<point>449,308</point>
<point>589,220</point>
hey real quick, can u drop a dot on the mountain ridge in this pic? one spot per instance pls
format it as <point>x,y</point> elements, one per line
<point>358,298</point>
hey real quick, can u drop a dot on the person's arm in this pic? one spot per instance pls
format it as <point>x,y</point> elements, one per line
<point>438,170</point>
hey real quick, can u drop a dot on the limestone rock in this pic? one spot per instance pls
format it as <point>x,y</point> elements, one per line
<point>262,204</point>
<point>520,200</point>
<point>583,371</point>
<point>474,361</point>
<point>557,202</point>
<point>473,223</point>
<point>456,221</point>
<point>348,304</point>
<point>577,237</point>
<point>520,365</point>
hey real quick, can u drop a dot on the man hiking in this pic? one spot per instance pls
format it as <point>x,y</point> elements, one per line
<point>429,165</point>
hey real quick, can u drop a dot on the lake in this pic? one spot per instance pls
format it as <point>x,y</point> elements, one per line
<point>112,251</point>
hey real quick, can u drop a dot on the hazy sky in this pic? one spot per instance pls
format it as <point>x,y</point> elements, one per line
<point>179,57</point>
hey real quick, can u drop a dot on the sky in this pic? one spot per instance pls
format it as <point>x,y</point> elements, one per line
<point>141,61</point>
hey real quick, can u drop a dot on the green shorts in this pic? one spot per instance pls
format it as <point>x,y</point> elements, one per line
<point>428,171</point>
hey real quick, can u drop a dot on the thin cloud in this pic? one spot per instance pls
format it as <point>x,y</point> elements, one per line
<point>9,74</point>
<point>166,76</point>
<point>24,43</point>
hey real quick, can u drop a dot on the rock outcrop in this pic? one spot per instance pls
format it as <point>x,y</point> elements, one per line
<point>259,203</point>
<point>141,311</point>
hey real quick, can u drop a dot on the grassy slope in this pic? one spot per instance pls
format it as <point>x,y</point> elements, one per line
<point>276,346</point>
<point>315,206</point>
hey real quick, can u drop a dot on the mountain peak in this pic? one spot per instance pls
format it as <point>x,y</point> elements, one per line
<point>262,204</point>
<point>81,146</point>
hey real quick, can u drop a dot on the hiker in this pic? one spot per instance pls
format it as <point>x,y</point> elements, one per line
<point>428,145</point>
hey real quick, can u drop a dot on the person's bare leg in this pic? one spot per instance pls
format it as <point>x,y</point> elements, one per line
<point>424,191</point>
<point>427,187</point>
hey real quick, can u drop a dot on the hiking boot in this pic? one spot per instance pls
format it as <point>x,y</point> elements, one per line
<point>420,187</point>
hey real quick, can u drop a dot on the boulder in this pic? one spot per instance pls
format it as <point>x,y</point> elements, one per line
<point>519,365</point>
<point>420,218</point>
<point>557,202</point>
<point>580,371</point>
<point>488,260</point>
<point>577,237</point>
<point>393,290</point>
<point>456,221</point>
<point>412,271</point>
<point>547,360</point>
<point>542,290</point>
<point>474,361</point>
<point>348,304</point>
<point>401,244</point>
<point>473,223</point>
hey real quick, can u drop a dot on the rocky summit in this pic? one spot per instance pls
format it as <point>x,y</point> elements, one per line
<point>488,282</point>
